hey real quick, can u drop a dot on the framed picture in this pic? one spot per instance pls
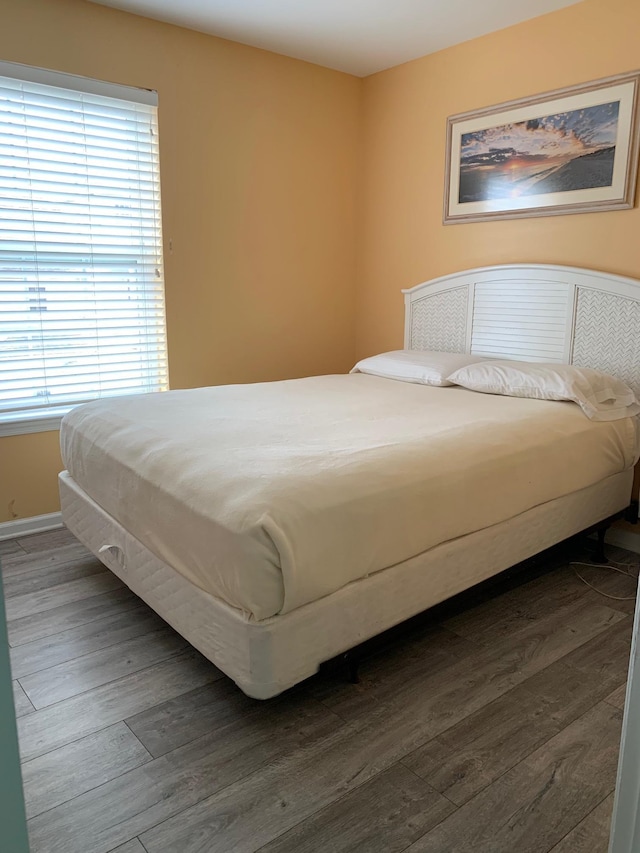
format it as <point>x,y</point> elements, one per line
<point>574,150</point>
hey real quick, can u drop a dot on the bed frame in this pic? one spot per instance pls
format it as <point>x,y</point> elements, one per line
<point>529,312</point>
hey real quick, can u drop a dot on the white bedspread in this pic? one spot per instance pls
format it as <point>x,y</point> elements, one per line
<point>275,494</point>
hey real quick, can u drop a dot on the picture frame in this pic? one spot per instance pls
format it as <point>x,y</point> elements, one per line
<point>571,150</point>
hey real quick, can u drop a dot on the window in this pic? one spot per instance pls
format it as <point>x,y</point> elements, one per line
<point>81,277</point>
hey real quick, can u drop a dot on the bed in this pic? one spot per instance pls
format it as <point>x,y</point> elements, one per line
<point>278,525</point>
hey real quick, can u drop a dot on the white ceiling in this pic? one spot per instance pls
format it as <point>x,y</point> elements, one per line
<point>356,36</point>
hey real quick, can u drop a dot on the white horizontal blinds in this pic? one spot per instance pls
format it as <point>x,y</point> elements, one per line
<point>81,278</point>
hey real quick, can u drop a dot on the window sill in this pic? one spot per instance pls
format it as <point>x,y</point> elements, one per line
<point>21,423</point>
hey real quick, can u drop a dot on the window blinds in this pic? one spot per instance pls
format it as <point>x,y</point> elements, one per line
<point>81,277</point>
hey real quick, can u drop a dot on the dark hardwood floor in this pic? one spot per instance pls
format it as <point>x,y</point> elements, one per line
<point>491,725</point>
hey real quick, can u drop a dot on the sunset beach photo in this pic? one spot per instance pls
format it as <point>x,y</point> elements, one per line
<point>573,150</point>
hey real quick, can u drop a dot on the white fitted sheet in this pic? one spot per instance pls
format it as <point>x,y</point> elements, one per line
<point>273,495</point>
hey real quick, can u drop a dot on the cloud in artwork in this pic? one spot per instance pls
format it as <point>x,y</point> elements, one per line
<point>557,137</point>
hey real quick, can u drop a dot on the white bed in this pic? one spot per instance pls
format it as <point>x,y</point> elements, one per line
<point>278,525</point>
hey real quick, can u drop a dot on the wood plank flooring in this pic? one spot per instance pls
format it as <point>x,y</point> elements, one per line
<point>490,725</point>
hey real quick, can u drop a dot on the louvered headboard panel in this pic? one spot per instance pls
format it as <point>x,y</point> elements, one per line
<point>526,319</point>
<point>531,312</point>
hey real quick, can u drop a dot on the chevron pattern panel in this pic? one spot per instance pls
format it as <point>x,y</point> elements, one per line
<point>606,335</point>
<point>439,322</point>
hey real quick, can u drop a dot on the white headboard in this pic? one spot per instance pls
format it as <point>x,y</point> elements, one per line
<point>531,312</point>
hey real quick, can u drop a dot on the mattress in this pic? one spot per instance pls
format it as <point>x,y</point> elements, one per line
<point>271,496</point>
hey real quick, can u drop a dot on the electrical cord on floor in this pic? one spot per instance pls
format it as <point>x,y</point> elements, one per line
<point>622,568</point>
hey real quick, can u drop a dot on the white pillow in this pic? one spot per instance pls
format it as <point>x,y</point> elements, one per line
<point>419,366</point>
<point>600,396</point>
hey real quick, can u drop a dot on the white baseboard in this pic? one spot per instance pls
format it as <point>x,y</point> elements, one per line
<point>25,526</point>
<point>624,539</point>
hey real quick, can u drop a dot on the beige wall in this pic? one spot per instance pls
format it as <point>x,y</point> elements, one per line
<point>405,112</point>
<point>258,170</point>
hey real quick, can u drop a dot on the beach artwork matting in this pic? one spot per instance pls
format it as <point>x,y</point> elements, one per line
<point>574,150</point>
